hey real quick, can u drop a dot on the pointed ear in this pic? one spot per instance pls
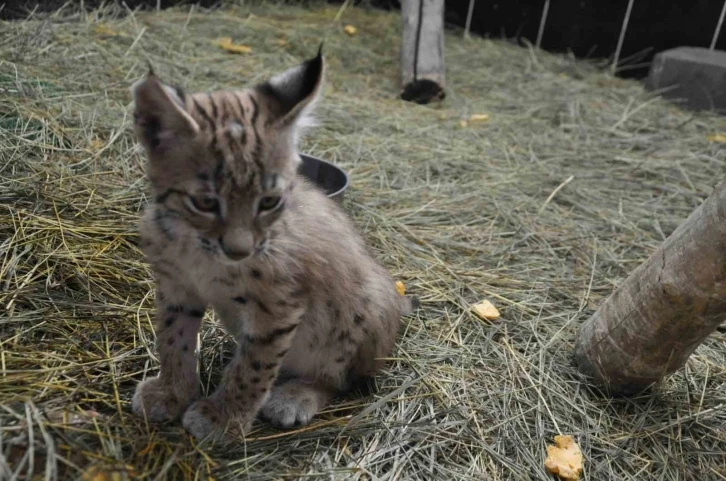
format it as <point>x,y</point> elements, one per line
<point>160,120</point>
<point>292,94</point>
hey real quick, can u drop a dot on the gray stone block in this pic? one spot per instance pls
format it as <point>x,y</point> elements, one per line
<point>695,76</point>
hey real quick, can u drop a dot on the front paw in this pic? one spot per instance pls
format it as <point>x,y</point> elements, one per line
<point>155,400</point>
<point>205,420</point>
<point>291,404</point>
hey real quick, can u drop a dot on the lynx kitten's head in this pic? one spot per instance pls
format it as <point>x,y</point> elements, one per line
<point>223,164</point>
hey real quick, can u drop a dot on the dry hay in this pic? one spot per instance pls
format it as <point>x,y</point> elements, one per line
<point>459,213</point>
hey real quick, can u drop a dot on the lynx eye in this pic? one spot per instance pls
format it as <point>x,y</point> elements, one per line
<point>269,202</point>
<point>204,203</point>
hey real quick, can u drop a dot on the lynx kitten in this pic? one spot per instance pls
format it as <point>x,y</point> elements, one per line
<point>234,226</point>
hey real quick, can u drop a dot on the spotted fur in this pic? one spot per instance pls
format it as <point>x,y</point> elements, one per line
<point>231,224</point>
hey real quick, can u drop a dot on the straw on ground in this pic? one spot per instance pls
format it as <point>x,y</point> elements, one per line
<point>456,214</point>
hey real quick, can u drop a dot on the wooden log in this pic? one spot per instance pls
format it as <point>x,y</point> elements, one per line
<point>668,305</point>
<point>422,51</point>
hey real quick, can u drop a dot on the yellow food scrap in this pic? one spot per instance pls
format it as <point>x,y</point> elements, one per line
<point>225,43</point>
<point>96,473</point>
<point>96,145</point>
<point>474,119</point>
<point>486,310</point>
<point>102,29</point>
<point>350,30</point>
<point>479,118</point>
<point>565,459</point>
<point>400,288</point>
<point>720,138</point>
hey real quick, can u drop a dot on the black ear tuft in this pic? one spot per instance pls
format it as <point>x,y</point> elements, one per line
<point>290,92</point>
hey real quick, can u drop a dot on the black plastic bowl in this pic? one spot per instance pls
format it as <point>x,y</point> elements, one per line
<point>333,180</point>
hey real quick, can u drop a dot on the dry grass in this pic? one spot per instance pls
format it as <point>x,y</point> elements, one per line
<point>459,213</point>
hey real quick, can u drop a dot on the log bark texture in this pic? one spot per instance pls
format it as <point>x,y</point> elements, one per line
<point>423,76</point>
<point>652,323</point>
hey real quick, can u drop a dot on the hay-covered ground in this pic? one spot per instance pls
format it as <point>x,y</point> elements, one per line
<point>460,213</point>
